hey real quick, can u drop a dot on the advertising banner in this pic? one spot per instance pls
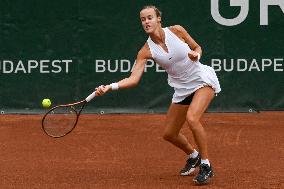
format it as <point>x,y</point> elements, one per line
<point>63,50</point>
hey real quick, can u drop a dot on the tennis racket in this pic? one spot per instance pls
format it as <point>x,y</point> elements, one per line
<point>62,119</point>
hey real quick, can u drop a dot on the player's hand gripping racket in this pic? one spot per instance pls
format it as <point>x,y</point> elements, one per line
<point>62,119</point>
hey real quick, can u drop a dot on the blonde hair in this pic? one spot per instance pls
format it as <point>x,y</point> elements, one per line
<point>157,11</point>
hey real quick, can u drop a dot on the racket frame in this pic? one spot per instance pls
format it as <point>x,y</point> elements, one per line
<point>78,113</point>
<point>71,105</point>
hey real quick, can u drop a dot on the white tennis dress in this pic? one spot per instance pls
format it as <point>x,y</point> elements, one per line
<point>184,75</point>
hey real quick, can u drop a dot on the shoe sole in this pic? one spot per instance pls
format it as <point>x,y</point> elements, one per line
<point>205,182</point>
<point>187,172</point>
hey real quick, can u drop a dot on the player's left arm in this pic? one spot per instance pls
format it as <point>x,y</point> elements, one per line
<point>184,35</point>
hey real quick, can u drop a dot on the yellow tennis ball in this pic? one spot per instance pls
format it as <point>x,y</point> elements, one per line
<point>46,103</point>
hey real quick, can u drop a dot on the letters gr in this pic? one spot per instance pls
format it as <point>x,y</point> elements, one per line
<point>244,4</point>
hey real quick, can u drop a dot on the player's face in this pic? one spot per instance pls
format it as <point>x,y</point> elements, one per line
<point>149,20</point>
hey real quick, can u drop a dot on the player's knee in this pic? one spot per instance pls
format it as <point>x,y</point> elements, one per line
<point>169,136</point>
<point>192,120</point>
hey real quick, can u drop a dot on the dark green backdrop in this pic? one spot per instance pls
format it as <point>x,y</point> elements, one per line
<point>88,30</point>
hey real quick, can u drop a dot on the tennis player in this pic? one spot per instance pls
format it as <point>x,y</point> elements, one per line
<point>195,86</point>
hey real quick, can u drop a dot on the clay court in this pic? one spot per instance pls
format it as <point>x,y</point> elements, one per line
<point>127,151</point>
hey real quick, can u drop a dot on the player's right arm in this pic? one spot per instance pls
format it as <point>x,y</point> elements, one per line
<point>135,76</point>
<point>136,73</point>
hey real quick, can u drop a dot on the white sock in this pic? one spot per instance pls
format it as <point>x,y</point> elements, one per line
<point>194,154</point>
<point>205,161</point>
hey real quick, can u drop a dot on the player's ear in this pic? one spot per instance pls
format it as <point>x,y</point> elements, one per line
<point>159,19</point>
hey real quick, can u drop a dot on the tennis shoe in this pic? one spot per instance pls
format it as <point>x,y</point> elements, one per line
<point>191,164</point>
<point>204,175</point>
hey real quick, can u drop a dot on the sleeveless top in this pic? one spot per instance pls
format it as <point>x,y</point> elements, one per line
<point>184,75</point>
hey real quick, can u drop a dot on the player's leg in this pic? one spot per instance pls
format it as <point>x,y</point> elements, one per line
<point>175,119</point>
<point>199,104</point>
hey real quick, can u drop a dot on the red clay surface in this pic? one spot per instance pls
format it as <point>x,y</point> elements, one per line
<point>127,151</point>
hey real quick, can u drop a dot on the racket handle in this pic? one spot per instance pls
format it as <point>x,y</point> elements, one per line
<point>91,96</point>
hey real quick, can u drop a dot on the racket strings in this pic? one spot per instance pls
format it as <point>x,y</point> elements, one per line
<point>60,121</point>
